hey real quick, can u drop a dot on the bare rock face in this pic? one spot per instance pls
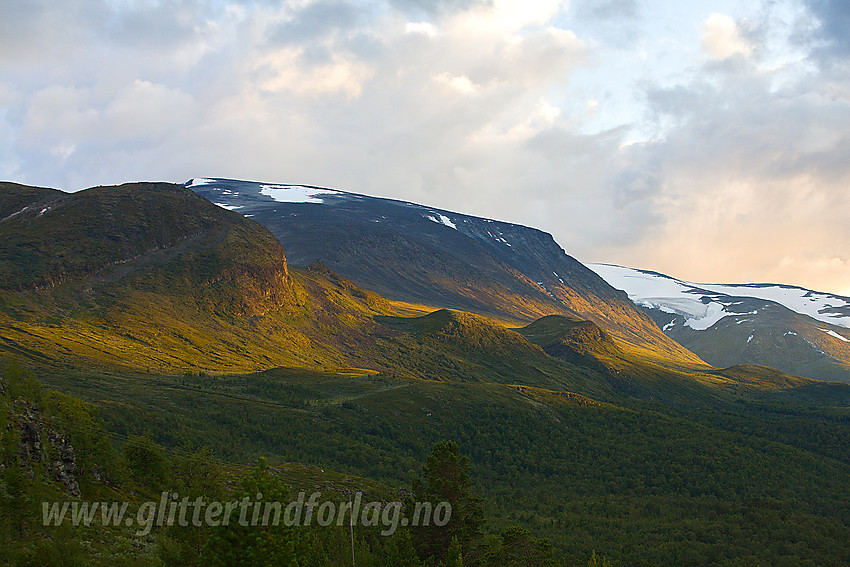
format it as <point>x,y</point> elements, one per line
<point>58,456</point>
<point>30,442</point>
<point>63,466</point>
<point>30,448</point>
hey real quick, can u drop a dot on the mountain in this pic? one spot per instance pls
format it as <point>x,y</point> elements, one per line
<point>799,331</point>
<point>153,276</point>
<point>439,258</point>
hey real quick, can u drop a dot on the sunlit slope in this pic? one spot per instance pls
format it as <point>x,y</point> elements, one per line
<point>631,372</point>
<point>424,255</point>
<point>145,275</point>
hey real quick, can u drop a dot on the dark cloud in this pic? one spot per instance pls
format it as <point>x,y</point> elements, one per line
<point>70,32</point>
<point>317,20</point>
<point>679,101</point>
<point>32,30</point>
<point>832,28</point>
<point>160,25</point>
<point>419,8</point>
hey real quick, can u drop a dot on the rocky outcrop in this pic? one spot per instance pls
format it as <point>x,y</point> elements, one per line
<point>63,465</point>
<point>56,456</point>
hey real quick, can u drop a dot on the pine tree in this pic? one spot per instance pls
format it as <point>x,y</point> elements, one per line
<point>445,478</point>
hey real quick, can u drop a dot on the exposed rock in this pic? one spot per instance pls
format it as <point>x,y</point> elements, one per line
<point>63,467</point>
<point>30,441</point>
<point>58,456</point>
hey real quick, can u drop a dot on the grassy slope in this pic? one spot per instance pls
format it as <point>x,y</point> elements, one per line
<point>632,372</point>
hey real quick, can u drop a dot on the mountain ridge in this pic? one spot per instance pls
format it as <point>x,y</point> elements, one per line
<point>223,299</point>
<point>432,256</point>
<point>791,328</point>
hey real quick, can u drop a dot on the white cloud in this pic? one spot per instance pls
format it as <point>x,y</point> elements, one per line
<point>461,83</point>
<point>283,70</point>
<point>508,17</point>
<point>144,109</point>
<point>425,28</point>
<point>722,38</point>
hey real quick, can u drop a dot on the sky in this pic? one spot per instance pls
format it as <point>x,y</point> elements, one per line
<point>706,140</point>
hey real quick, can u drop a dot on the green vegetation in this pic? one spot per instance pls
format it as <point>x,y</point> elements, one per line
<point>643,485</point>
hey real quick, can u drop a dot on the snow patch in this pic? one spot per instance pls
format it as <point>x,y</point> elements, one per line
<point>803,301</point>
<point>296,193</point>
<point>832,333</point>
<point>749,339</point>
<point>655,290</point>
<point>714,312</point>
<point>442,219</point>
<point>16,214</point>
<point>228,207</point>
<point>547,290</point>
<point>199,181</point>
<point>501,239</point>
<point>665,294</point>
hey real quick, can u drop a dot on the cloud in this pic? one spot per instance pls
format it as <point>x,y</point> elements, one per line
<point>614,22</point>
<point>417,8</point>
<point>425,28</point>
<point>317,19</point>
<point>829,32</point>
<point>716,152</point>
<point>749,182</point>
<point>284,70</point>
<point>722,39</point>
<point>606,10</point>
